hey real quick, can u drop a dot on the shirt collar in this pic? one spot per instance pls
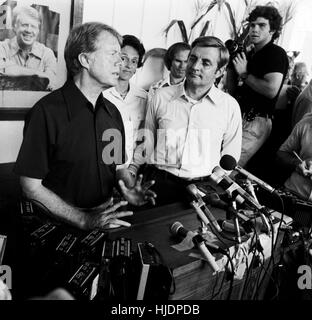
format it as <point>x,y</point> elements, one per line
<point>114,92</point>
<point>213,94</point>
<point>35,50</point>
<point>76,100</point>
<point>165,82</point>
<point>133,92</point>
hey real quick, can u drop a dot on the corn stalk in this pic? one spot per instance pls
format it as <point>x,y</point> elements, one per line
<point>240,32</point>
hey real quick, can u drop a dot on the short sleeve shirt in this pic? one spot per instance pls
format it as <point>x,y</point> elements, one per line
<point>271,58</point>
<point>72,146</point>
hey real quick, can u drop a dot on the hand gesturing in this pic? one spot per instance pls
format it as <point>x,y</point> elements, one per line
<point>138,194</point>
<point>105,216</point>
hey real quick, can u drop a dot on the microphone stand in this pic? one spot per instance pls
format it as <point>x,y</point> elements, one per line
<point>265,220</point>
<point>201,217</point>
<point>236,222</point>
<point>250,188</point>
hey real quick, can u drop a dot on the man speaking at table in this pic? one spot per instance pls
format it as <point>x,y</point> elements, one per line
<point>188,127</point>
<point>65,161</point>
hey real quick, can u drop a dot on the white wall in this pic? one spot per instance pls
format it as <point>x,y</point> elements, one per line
<point>299,33</point>
<point>145,19</point>
<point>11,135</point>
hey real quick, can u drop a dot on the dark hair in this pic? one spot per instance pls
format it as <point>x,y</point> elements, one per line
<point>83,39</point>
<point>134,42</point>
<point>214,42</point>
<point>270,13</point>
<point>172,50</point>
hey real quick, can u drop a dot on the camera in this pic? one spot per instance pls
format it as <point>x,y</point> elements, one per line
<point>234,48</point>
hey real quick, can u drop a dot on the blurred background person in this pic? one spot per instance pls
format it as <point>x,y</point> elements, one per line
<point>303,104</point>
<point>286,102</point>
<point>299,172</point>
<point>153,68</point>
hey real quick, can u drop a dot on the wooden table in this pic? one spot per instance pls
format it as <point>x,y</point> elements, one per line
<point>193,277</point>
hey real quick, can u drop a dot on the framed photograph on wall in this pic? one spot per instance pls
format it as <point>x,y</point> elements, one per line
<point>33,34</point>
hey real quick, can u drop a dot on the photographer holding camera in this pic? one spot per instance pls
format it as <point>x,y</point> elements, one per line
<point>262,71</point>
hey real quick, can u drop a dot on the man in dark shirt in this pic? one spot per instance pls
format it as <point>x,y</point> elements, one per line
<point>74,138</point>
<point>262,72</point>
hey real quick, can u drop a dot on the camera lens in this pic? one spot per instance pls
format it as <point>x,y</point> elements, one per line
<point>232,46</point>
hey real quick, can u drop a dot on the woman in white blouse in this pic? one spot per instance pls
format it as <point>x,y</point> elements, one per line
<point>130,100</point>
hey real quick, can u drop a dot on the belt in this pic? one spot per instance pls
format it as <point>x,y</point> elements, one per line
<point>168,175</point>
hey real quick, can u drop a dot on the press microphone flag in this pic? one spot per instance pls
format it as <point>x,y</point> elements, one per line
<point>177,229</point>
<point>227,162</point>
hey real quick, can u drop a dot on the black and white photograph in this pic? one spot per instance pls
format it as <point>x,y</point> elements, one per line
<point>156,155</point>
<point>31,36</point>
<point>29,48</point>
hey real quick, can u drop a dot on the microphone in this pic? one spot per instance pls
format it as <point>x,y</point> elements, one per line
<point>227,162</point>
<point>219,177</point>
<point>236,192</point>
<point>177,229</point>
<point>251,189</point>
<point>229,226</point>
<point>201,208</point>
<point>214,200</point>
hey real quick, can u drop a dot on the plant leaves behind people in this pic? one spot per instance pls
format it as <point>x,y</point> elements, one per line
<point>227,5</point>
<point>203,32</point>
<point>181,27</point>
<point>183,31</point>
<point>212,4</point>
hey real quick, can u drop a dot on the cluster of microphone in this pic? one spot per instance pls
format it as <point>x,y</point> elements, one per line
<point>178,229</point>
<point>237,196</point>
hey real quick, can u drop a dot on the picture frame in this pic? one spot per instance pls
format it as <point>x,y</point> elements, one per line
<point>15,101</point>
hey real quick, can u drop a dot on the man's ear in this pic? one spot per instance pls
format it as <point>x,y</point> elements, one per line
<point>220,72</point>
<point>84,60</point>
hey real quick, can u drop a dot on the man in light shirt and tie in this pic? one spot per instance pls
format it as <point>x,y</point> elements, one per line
<point>189,126</point>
